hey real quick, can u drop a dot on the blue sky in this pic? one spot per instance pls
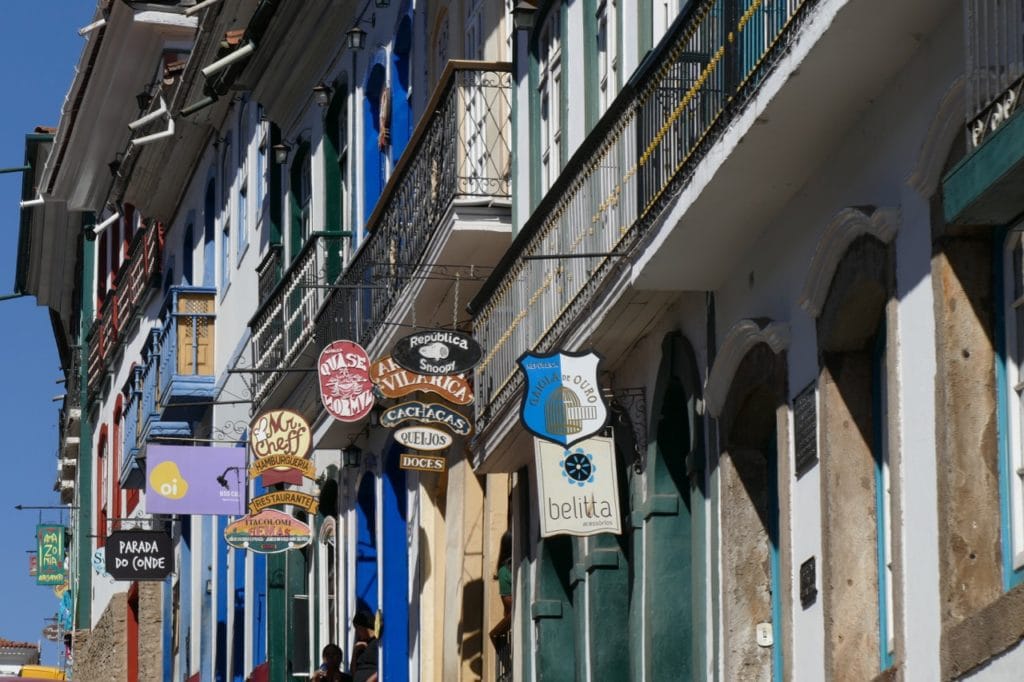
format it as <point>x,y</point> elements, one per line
<point>39,48</point>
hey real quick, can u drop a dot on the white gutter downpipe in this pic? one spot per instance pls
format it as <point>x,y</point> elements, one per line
<point>98,229</point>
<point>28,203</point>
<point>146,139</point>
<point>195,9</point>
<point>240,53</point>
<point>151,116</point>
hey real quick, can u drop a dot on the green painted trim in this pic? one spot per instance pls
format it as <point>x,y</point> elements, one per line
<point>297,576</point>
<point>546,608</point>
<point>83,515</point>
<point>515,137</point>
<point>619,68</point>
<point>995,169</point>
<point>295,238</point>
<point>274,190</point>
<point>602,558</point>
<point>277,624</point>
<point>645,28</point>
<point>590,57</point>
<point>556,651</point>
<point>563,91</point>
<point>534,137</point>
<point>334,210</point>
<point>661,505</point>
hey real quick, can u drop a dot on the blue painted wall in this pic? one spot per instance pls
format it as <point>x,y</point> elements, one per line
<point>395,636</point>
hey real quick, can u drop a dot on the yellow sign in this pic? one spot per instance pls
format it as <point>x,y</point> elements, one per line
<point>268,532</point>
<point>265,464</point>
<point>280,432</point>
<point>304,500</point>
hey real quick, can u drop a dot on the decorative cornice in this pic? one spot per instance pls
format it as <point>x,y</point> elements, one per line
<point>739,340</point>
<point>945,126</point>
<point>843,230</point>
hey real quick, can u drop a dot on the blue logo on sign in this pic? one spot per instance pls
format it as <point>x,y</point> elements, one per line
<point>562,401</point>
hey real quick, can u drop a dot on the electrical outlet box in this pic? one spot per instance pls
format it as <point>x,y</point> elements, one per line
<point>764,634</point>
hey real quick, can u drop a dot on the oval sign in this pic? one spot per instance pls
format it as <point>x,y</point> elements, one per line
<point>437,352</point>
<point>280,432</point>
<point>268,532</point>
<point>423,438</point>
<point>345,387</point>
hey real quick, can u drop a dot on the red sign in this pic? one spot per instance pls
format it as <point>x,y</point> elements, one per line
<point>345,387</point>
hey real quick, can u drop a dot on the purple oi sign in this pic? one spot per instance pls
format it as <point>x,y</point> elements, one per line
<point>195,480</point>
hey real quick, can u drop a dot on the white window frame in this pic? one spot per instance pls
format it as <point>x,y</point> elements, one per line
<point>1013,290</point>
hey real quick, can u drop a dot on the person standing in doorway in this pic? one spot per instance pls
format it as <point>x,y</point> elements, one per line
<point>330,670</point>
<point>366,653</point>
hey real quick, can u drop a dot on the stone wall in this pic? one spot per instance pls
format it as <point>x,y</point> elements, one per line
<point>100,654</point>
<point>150,632</point>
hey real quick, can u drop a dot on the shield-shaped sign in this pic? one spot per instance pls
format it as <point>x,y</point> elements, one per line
<point>562,401</point>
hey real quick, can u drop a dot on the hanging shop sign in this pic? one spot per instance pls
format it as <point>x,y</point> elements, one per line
<point>437,352</point>
<point>49,554</point>
<point>268,532</point>
<point>394,382</point>
<point>345,387</point>
<point>293,497</point>
<point>417,461</point>
<point>33,567</point>
<point>562,401</point>
<point>423,438</point>
<point>577,488</point>
<point>425,413</point>
<point>139,555</point>
<point>280,443</point>
<point>195,480</point>
<point>280,432</point>
<point>282,462</point>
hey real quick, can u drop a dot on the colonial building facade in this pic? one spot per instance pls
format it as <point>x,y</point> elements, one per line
<point>788,227</point>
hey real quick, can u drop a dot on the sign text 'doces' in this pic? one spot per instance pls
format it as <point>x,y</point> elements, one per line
<point>420,462</point>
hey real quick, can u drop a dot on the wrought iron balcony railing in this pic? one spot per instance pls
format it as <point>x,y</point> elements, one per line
<point>995,64</point>
<point>124,301</point>
<point>633,163</point>
<point>284,322</point>
<point>461,149</point>
<point>268,273</point>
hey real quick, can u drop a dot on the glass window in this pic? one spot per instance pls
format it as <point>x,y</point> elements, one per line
<point>1014,363</point>
<point>607,53</point>
<point>225,260</point>
<point>549,89</point>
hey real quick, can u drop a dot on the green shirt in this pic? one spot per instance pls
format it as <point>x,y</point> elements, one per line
<point>505,580</point>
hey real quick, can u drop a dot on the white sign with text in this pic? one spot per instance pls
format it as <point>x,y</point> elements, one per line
<point>578,489</point>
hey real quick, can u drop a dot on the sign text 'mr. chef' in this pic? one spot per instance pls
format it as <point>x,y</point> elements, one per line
<point>280,432</point>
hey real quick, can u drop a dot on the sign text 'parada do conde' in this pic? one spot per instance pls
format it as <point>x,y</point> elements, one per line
<point>437,352</point>
<point>139,555</point>
<point>280,441</point>
<point>345,387</point>
<point>562,401</point>
<point>394,382</point>
<point>577,488</point>
<point>425,413</point>
<point>268,532</point>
